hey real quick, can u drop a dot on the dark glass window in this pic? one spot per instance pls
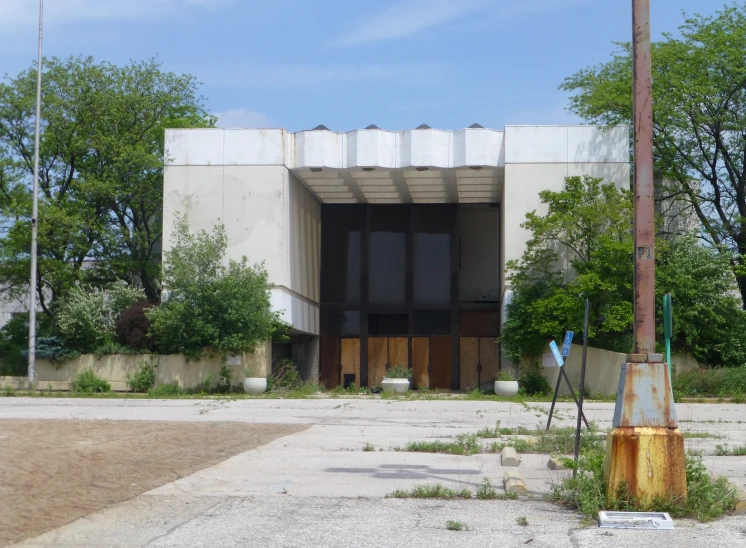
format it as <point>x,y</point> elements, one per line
<point>436,322</point>
<point>387,258</point>
<point>432,268</point>
<point>388,324</point>
<point>341,253</point>
<point>431,256</point>
<point>344,324</point>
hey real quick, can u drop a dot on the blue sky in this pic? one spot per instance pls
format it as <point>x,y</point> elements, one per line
<point>349,63</point>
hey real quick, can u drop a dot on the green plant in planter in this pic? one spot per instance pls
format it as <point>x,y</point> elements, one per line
<point>505,376</point>
<point>399,372</point>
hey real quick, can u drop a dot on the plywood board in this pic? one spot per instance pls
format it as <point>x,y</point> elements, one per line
<point>469,355</point>
<point>377,354</point>
<point>490,358</point>
<point>440,359</point>
<point>351,359</point>
<point>329,375</point>
<point>420,361</point>
<point>399,351</point>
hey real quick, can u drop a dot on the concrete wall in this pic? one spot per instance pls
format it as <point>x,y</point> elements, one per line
<point>602,371</point>
<point>239,178</point>
<point>169,369</point>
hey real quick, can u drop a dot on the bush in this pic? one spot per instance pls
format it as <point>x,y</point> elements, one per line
<point>54,349</point>
<point>398,372</point>
<point>711,383</point>
<point>165,390</point>
<point>86,317</point>
<point>532,382</point>
<point>87,381</point>
<point>13,343</point>
<point>284,376</point>
<point>132,326</point>
<point>207,304</point>
<point>143,379</point>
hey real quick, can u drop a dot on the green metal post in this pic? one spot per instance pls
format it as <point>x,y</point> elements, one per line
<point>668,329</point>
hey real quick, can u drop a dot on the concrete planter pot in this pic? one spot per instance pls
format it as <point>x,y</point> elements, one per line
<point>395,386</point>
<point>506,389</point>
<point>255,385</point>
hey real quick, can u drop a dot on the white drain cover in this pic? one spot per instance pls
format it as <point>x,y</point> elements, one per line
<point>635,520</point>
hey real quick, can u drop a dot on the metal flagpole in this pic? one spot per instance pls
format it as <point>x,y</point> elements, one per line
<point>34,220</point>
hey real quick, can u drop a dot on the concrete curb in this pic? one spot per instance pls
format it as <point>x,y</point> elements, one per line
<point>555,464</point>
<point>740,508</point>
<point>509,457</point>
<point>513,482</point>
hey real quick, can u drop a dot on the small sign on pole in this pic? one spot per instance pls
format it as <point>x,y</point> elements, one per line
<point>557,354</point>
<point>567,344</point>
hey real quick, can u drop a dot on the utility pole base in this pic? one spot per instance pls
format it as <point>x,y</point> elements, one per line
<point>650,461</point>
<point>645,450</point>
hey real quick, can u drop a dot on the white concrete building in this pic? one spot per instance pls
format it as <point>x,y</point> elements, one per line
<point>390,246</point>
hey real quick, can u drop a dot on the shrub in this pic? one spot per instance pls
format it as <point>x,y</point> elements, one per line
<point>532,382</point>
<point>143,379</point>
<point>505,376</point>
<point>207,304</point>
<point>13,342</point>
<point>54,349</point>
<point>284,376</point>
<point>87,381</point>
<point>711,383</point>
<point>86,316</point>
<point>165,390</point>
<point>398,372</point>
<point>132,326</point>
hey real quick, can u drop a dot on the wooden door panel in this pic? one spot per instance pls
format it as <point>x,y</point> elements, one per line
<point>420,361</point>
<point>377,354</point>
<point>440,359</point>
<point>399,351</point>
<point>490,358</point>
<point>351,359</point>
<point>469,354</point>
<point>329,375</point>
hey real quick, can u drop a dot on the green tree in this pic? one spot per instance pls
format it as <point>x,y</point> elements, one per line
<point>101,171</point>
<point>583,248</point>
<point>699,117</point>
<point>209,305</point>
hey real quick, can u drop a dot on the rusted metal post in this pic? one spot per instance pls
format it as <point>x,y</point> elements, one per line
<point>645,449</point>
<point>644,328</point>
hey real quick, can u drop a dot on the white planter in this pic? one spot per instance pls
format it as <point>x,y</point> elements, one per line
<point>255,385</point>
<point>506,389</point>
<point>395,386</point>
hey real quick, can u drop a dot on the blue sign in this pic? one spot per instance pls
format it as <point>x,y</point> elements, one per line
<point>557,354</point>
<point>567,344</point>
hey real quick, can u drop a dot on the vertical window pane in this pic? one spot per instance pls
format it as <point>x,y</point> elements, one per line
<point>387,268</point>
<point>432,268</point>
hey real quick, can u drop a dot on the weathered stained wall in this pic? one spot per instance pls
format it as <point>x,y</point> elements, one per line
<point>169,369</point>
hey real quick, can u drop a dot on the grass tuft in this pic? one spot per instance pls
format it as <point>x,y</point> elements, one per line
<point>464,445</point>
<point>455,526</point>
<point>436,491</point>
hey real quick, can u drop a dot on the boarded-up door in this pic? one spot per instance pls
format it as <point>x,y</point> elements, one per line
<point>351,359</point>
<point>475,351</point>
<point>329,361</point>
<point>382,351</point>
<point>440,359</point>
<point>420,362</point>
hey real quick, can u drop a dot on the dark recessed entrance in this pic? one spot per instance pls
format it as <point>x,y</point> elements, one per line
<point>413,285</point>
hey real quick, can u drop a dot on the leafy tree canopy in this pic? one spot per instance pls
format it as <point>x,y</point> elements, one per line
<point>583,248</point>
<point>101,171</point>
<point>699,116</point>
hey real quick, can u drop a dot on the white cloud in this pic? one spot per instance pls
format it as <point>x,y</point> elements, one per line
<point>407,18</point>
<point>243,118</point>
<point>22,12</point>
<point>410,17</point>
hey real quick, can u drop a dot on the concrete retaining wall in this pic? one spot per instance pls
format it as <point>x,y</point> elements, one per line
<point>602,369</point>
<point>169,369</point>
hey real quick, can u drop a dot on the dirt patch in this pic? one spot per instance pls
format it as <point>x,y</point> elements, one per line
<point>53,472</point>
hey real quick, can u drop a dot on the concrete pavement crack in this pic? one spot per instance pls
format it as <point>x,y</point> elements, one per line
<point>177,526</point>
